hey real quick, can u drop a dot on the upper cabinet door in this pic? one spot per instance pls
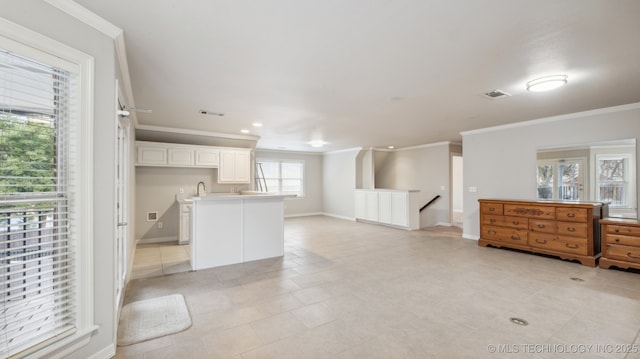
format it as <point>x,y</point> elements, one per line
<point>207,157</point>
<point>235,166</point>
<point>152,156</point>
<point>178,156</point>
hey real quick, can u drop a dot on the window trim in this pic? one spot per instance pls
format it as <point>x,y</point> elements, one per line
<point>26,42</point>
<point>280,161</point>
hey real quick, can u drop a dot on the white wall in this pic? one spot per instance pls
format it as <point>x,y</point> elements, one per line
<point>156,189</point>
<point>425,168</point>
<point>457,183</point>
<point>339,183</point>
<point>41,17</point>
<point>501,162</point>
<point>311,203</point>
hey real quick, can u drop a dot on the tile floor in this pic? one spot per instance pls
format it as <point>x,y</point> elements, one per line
<point>157,259</point>
<point>354,290</point>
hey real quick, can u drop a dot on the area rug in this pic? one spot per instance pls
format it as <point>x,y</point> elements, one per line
<point>152,318</point>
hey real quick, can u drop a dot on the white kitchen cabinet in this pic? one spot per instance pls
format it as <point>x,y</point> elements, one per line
<point>206,157</point>
<point>399,208</point>
<point>237,161</point>
<point>385,213</point>
<point>371,213</point>
<point>184,224</point>
<point>152,155</point>
<point>180,156</point>
<point>235,166</point>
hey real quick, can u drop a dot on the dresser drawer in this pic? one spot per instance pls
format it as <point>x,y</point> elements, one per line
<point>624,240</point>
<point>573,229</point>
<point>559,243</point>
<point>491,208</point>
<point>536,225</point>
<point>540,212</point>
<point>504,234</point>
<point>624,230</point>
<point>572,214</point>
<point>513,222</point>
<point>541,240</point>
<point>623,253</point>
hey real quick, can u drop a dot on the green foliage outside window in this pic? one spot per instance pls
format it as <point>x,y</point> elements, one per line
<point>27,154</point>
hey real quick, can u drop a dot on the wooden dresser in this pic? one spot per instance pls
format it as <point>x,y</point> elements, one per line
<point>620,243</point>
<point>569,230</point>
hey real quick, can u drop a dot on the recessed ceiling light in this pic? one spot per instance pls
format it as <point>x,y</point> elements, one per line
<point>391,147</point>
<point>317,143</point>
<point>547,83</point>
<point>244,130</point>
<point>257,124</point>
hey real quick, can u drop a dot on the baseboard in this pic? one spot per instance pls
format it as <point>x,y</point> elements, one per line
<point>157,240</point>
<point>338,216</point>
<point>303,214</point>
<point>106,353</point>
<point>470,236</point>
<point>444,224</point>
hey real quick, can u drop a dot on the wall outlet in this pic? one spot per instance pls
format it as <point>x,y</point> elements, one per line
<point>160,225</point>
<point>181,190</point>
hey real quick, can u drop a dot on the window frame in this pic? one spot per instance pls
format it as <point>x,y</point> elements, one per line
<point>629,192</point>
<point>280,179</point>
<point>28,43</point>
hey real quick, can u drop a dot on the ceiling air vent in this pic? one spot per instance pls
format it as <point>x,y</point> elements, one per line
<point>496,94</point>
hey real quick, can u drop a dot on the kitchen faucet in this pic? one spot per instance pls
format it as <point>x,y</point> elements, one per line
<point>203,187</point>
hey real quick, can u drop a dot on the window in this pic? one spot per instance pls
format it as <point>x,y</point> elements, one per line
<point>282,176</point>
<point>561,179</point>
<point>612,180</point>
<point>45,213</point>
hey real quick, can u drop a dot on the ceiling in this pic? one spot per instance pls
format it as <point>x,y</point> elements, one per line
<point>371,73</point>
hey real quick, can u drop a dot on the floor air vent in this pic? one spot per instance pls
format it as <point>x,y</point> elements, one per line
<point>496,94</point>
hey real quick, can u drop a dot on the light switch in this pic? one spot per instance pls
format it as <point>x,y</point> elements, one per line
<point>473,189</point>
<point>442,188</point>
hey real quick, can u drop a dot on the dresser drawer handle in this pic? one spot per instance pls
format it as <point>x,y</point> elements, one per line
<point>491,232</point>
<point>571,215</point>
<point>617,230</point>
<point>617,240</point>
<point>515,238</point>
<point>572,246</point>
<point>491,209</point>
<point>515,223</point>
<point>544,241</point>
<point>571,229</point>
<point>541,226</point>
<point>632,256</point>
<point>492,220</point>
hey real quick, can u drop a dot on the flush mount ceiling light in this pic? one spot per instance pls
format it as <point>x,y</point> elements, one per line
<point>317,143</point>
<point>547,83</point>
<point>244,130</point>
<point>391,147</point>
<point>257,124</point>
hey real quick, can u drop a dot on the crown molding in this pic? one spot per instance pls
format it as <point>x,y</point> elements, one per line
<point>599,111</point>
<point>341,151</point>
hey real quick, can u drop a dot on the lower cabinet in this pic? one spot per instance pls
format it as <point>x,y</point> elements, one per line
<point>390,207</point>
<point>620,243</point>
<point>184,224</point>
<point>569,230</point>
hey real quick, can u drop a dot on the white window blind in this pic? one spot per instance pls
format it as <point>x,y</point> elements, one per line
<point>284,176</point>
<point>36,247</point>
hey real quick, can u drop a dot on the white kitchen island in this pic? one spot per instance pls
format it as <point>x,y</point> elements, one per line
<point>229,229</point>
